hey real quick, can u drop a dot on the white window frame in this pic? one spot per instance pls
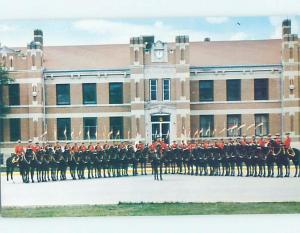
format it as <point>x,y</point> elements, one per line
<point>169,90</point>
<point>152,89</point>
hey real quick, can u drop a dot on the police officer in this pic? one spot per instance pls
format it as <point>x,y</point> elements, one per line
<point>19,149</point>
<point>287,141</point>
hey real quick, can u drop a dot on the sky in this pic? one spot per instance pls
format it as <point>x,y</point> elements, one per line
<point>102,22</point>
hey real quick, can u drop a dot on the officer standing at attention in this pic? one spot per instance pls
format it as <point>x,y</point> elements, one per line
<point>287,141</point>
<point>19,150</point>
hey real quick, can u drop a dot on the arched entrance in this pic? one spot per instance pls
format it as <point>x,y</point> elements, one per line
<point>160,126</point>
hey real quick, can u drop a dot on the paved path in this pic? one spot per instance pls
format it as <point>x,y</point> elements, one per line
<point>174,188</point>
<point>208,224</point>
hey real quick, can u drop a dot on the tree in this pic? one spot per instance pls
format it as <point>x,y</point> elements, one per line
<point>5,79</point>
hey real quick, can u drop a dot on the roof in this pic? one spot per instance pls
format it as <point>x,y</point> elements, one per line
<point>212,53</point>
<point>245,52</point>
<point>87,56</point>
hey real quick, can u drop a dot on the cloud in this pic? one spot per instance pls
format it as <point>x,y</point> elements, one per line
<point>239,36</point>
<point>216,20</point>
<point>6,28</point>
<point>111,31</point>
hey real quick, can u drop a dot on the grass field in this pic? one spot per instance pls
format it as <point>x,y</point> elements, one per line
<point>155,209</point>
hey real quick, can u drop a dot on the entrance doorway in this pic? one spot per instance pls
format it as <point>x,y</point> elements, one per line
<point>160,127</point>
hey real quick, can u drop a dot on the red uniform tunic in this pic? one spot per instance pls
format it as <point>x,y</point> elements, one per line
<point>153,146</point>
<point>36,149</point>
<point>91,148</point>
<point>261,142</point>
<point>140,146</point>
<point>19,150</point>
<point>164,146</point>
<point>191,146</point>
<point>174,145</point>
<point>83,148</point>
<point>221,145</point>
<point>287,142</point>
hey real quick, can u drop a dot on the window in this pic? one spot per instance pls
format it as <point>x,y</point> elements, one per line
<point>89,93</point>
<point>4,61</point>
<point>207,125</point>
<point>261,124</point>
<point>33,60</point>
<point>261,89</point>
<point>233,123</point>
<point>153,89</point>
<point>116,93</point>
<point>136,55</point>
<point>90,127</point>
<point>182,54</point>
<point>11,63</point>
<point>136,89</point>
<point>206,90</point>
<point>63,128</point>
<point>182,87</point>
<point>233,89</point>
<point>116,127</point>
<point>63,94</point>
<point>14,94</point>
<point>166,89</point>
<point>15,129</point>
<point>291,53</point>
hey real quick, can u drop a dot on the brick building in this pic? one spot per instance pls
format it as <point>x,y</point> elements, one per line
<point>149,88</point>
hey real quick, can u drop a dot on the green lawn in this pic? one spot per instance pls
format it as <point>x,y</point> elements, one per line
<point>154,209</point>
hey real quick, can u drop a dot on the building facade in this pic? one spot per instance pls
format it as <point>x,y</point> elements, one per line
<point>148,89</point>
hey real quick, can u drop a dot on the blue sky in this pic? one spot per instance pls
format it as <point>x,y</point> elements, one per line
<point>118,30</point>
